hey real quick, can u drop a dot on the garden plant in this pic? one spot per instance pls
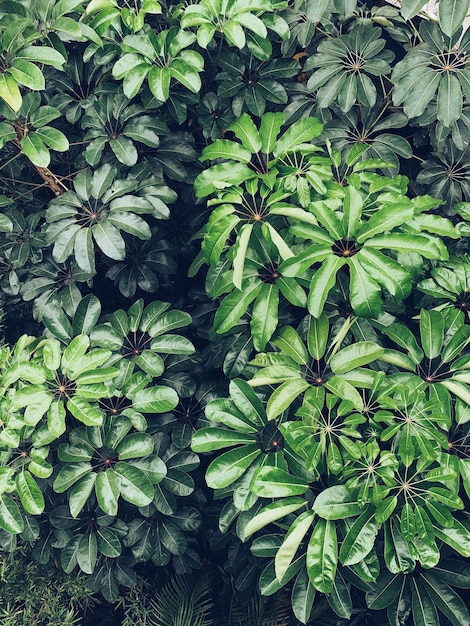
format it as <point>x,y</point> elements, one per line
<point>235,300</point>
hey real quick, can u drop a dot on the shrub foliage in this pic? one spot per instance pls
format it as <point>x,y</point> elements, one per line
<point>235,295</point>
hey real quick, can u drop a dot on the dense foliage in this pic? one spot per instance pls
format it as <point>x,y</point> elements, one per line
<point>235,289</point>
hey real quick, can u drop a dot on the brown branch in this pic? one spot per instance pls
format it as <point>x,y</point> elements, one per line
<point>52,181</point>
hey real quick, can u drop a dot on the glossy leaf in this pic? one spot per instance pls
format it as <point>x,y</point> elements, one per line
<point>322,556</point>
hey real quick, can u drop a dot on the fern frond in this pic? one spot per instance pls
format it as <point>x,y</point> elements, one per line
<point>184,601</point>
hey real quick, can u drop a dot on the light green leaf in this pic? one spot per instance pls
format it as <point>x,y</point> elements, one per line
<point>284,395</point>
<point>246,131</point>
<point>80,493</point>
<point>335,503</point>
<point>239,253</point>
<point>355,355</point>
<point>322,556</point>
<point>300,132</point>
<point>107,491</point>
<point>290,343</point>
<point>364,291</point>
<point>229,466</point>
<point>134,485</point>
<point>34,148</point>
<point>30,494</point>
<point>271,513</point>
<point>322,282</point>
<point>156,399</point>
<point>27,74</point>
<point>9,91</point>
<point>294,537</point>
<point>10,515</point>
<point>109,240</point>
<point>452,14</point>
<point>431,327</point>
<point>265,315</point>
<point>360,538</point>
<point>273,482</point>
<point>226,149</point>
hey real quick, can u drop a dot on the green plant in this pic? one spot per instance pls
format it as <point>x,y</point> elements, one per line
<point>313,351</point>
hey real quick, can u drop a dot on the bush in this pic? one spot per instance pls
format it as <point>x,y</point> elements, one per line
<point>234,278</point>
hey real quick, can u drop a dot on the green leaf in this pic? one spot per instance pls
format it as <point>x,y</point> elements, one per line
<point>431,327</point>
<point>269,130</point>
<point>107,491</point>
<point>300,132</point>
<point>273,482</point>
<point>159,79</point>
<point>27,74</point>
<point>9,91</point>
<point>317,336</point>
<point>322,556</point>
<point>352,210</point>
<point>446,600</point>
<point>364,292</point>
<point>335,503</point>
<point>284,396</point>
<point>30,494</point>
<point>289,342</point>
<point>457,537</point>
<point>322,282</point>
<point>109,240</point>
<point>56,419</point>
<point>108,543</point>
<point>385,219</point>
<point>134,485</point>
<point>294,537</point>
<point>229,466</point>
<point>265,315</point>
<point>360,538</point>
<point>34,148</point>
<point>247,402</point>
<point>355,355</point>
<point>172,344</point>
<point>424,611</point>
<point>221,176</point>
<point>68,554</point>
<point>303,597</point>
<point>55,320</point>
<point>157,399</point>
<point>208,439</point>
<point>69,474</point>
<point>53,138</point>
<point>85,412</point>
<point>386,589</point>
<point>86,315</point>
<point>10,515</point>
<point>234,306</point>
<point>42,54</point>
<point>80,493</point>
<point>184,74</point>
<point>340,598</point>
<point>167,322</point>
<point>452,13</point>
<point>410,8</point>
<point>246,131</point>
<point>87,553</point>
<point>124,150</point>
<point>449,99</point>
<point>271,513</point>
<point>226,149</point>
<point>134,446</point>
<point>239,253</point>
